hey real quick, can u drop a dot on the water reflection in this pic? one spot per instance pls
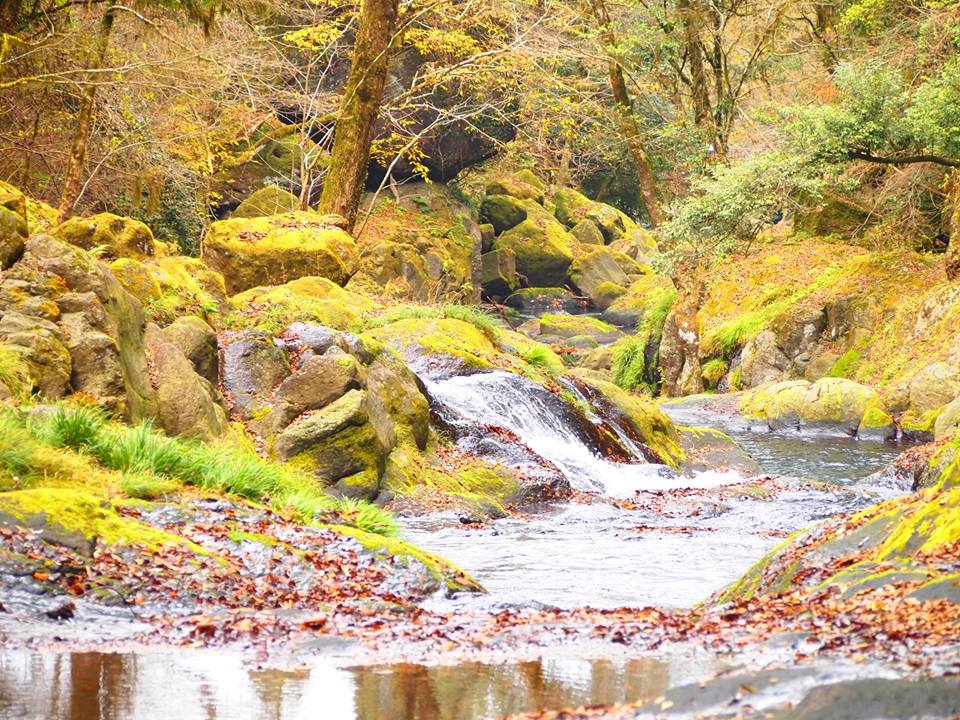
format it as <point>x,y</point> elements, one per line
<point>215,686</point>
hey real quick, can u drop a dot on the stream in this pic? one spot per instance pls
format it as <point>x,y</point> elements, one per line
<point>566,555</point>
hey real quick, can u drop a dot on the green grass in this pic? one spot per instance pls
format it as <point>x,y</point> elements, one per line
<point>713,371</point>
<point>629,363</point>
<point>153,465</point>
<point>845,366</point>
<point>14,373</point>
<point>656,316</point>
<point>541,357</point>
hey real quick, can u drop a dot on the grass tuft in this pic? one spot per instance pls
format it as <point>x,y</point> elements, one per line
<point>629,363</point>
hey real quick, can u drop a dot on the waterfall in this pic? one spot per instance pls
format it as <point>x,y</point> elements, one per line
<point>508,418</point>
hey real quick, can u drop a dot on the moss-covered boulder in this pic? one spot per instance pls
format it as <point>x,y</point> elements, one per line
<point>933,387</point>
<point>543,248</point>
<point>838,402</point>
<point>707,449</point>
<point>40,217</point>
<point>637,243</point>
<point>463,345</point>
<point>502,212</point>
<point>422,245</point>
<point>198,342</point>
<point>269,200</point>
<point>395,404</point>
<point>780,404</point>
<point>187,286</point>
<point>649,296</point>
<point>186,402</point>
<point>587,233</point>
<point>553,327</point>
<point>309,299</point>
<point>251,252</point>
<point>13,226</point>
<point>603,275</point>
<point>498,274</point>
<point>523,185</point>
<point>570,207</point>
<point>112,235</point>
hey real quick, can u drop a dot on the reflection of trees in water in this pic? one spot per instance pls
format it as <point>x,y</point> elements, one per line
<point>475,690</point>
<point>102,686</point>
<point>271,687</point>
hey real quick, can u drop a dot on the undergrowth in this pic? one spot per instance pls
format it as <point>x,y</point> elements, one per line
<point>151,465</point>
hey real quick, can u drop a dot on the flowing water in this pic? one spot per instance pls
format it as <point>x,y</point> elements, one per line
<point>593,553</point>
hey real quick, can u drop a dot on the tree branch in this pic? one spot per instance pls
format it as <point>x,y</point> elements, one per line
<point>903,160</point>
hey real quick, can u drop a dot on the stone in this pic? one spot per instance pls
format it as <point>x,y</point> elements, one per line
<point>487,234</point>
<point>570,207</point>
<point>679,353</point>
<point>637,243</point>
<point>42,344</point>
<point>587,233</point>
<point>269,200</point>
<point>762,361</point>
<point>198,342</point>
<point>396,405</point>
<point>934,386</point>
<point>95,358</point>
<point>502,212</point>
<point>116,236</point>
<point>13,228</point>
<point>498,274</point>
<point>523,185</point>
<point>187,403</point>
<point>536,300</point>
<point>600,275</point>
<point>707,449</point>
<point>260,251</point>
<point>253,365</point>
<point>781,404</point>
<point>948,420</point>
<point>567,327</point>
<point>544,249</point>
<point>317,382</point>
<point>136,279</point>
<point>647,294</point>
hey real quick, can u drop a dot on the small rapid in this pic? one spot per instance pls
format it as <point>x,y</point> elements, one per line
<point>546,425</point>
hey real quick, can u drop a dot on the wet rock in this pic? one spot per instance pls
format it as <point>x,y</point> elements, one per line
<point>60,609</point>
<point>536,300</point>
<point>707,449</point>
<point>679,353</point>
<point>198,342</point>
<point>259,251</point>
<point>253,365</point>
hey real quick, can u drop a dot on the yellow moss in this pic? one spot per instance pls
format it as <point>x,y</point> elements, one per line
<point>443,336</point>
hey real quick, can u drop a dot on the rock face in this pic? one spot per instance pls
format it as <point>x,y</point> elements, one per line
<point>119,237</point>
<point>679,354</point>
<point>250,252</point>
<point>76,327</point>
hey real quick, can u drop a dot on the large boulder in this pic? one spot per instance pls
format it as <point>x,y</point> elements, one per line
<point>114,236</point>
<point>553,327</point>
<point>543,248</point>
<point>76,327</point>
<point>603,275</point>
<point>838,403</point>
<point>13,226</point>
<point>186,402</point>
<point>308,299</point>
<point>498,274</point>
<point>934,386</point>
<point>680,352</point>
<point>780,404</point>
<point>250,252</point>
<point>397,408</point>
<point>198,342</point>
<point>253,365</point>
<point>570,207</point>
<point>502,212</point>
<point>269,200</point>
<point>523,185</point>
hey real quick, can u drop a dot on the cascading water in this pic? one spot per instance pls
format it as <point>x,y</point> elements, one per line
<point>546,425</point>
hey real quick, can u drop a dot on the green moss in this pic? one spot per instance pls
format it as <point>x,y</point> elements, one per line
<point>14,373</point>
<point>846,365</point>
<point>76,511</point>
<point>580,324</point>
<point>455,579</point>
<point>876,417</point>
<point>444,336</point>
<point>713,371</point>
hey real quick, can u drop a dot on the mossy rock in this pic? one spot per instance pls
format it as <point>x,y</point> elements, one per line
<point>534,300</point>
<point>948,420</point>
<point>498,274</point>
<point>780,404</point>
<point>398,410</point>
<point>543,248</point>
<point>13,225</point>
<point>39,215</point>
<point>650,295</point>
<point>570,207</point>
<point>559,325</point>
<point>115,236</point>
<point>502,212</point>
<point>933,387</point>
<point>587,233</point>
<point>603,275</point>
<point>137,279</point>
<point>187,287</point>
<point>307,299</point>
<point>417,338</point>
<point>252,252</point>
<point>838,402</point>
<point>708,449</point>
<point>523,185</point>
<point>269,200</point>
<point>637,243</point>
<point>77,519</point>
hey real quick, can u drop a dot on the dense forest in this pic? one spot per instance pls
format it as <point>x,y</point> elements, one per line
<point>430,359</point>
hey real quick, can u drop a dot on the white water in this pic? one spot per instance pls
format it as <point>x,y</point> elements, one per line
<point>536,417</point>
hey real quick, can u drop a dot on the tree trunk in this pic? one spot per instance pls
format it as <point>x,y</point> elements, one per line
<point>699,89</point>
<point>628,121</point>
<point>953,249</point>
<point>73,179</point>
<point>350,156</point>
